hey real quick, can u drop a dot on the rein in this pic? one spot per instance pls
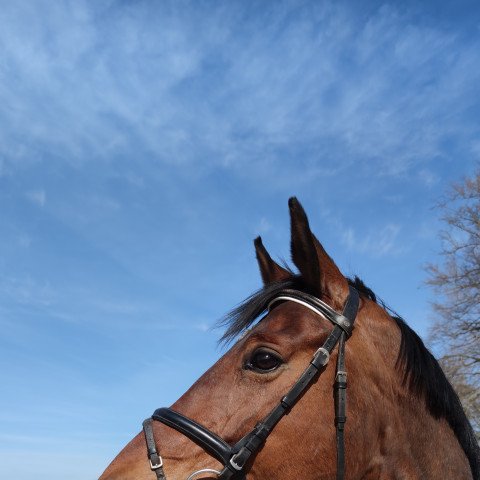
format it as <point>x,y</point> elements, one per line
<point>234,458</point>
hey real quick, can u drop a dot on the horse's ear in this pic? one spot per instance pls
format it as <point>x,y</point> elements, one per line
<point>318,270</point>
<point>270,270</point>
<point>302,247</point>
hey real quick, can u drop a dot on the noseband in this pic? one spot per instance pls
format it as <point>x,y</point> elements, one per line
<point>234,458</point>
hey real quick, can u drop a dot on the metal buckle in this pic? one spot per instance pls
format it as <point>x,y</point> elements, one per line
<point>341,373</point>
<point>325,353</point>
<point>233,464</point>
<point>157,465</point>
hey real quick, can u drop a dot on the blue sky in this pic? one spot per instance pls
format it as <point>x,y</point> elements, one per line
<point>143,145</point>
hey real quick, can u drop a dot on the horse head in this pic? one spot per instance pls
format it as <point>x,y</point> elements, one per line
<point>273,407</point>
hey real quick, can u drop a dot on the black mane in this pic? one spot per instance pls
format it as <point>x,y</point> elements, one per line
<point>421,373</point>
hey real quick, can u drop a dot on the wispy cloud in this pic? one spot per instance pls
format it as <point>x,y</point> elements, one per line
<point>377,243</point>
<point>24,240</point>
<point>329,90</point>
<point>26,290</point>
<point>203,327</point>
<point>38,197</point>
<point>428,177</point>
<point>263,226</point>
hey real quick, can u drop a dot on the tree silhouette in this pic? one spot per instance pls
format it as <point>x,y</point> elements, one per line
<point>456,280</point>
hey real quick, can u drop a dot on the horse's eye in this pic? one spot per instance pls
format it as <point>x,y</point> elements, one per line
<point>263,361</point>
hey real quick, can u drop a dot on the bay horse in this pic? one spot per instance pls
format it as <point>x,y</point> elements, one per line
<point>278,413</point>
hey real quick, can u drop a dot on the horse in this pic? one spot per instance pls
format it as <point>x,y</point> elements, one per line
<point>278,404</point>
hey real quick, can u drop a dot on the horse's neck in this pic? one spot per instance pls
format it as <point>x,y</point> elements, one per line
<point>414,445</point>
<point>394,435</point>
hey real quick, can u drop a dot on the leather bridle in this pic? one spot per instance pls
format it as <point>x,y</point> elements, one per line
<point>235,458</point>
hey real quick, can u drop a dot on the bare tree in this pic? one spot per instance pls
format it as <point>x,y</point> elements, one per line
<point>456,280</point>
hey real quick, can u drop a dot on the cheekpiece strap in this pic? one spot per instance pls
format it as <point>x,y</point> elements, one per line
<point>156,462</point>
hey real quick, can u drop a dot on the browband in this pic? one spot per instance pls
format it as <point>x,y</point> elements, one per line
<point>320,307</point>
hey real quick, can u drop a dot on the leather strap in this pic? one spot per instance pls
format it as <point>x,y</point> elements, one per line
<point>340,407</point>
<point>156,462</point>
<point>344,321</point>
<point>208,440</point>
<point>350,312</point>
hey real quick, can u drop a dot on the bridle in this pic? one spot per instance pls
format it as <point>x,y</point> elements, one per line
<point>234,458</point>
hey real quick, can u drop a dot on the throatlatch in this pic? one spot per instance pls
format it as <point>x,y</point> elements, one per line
<point>235,458</point>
